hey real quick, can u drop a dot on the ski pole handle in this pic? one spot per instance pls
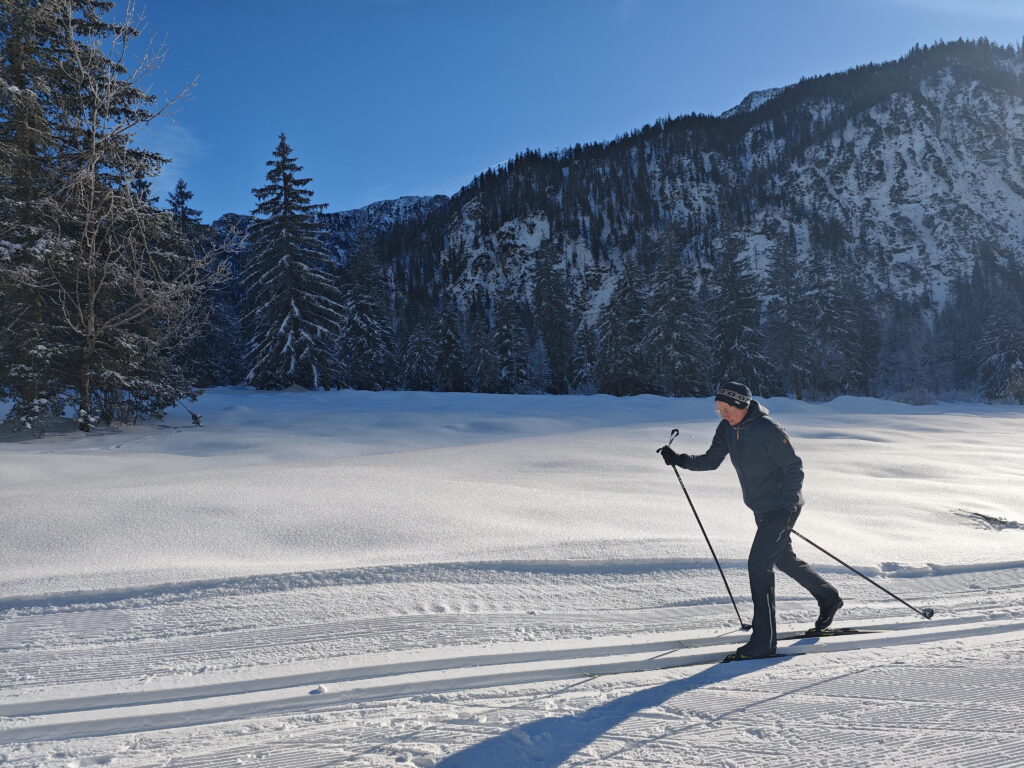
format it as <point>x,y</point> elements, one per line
<point>672,436</point>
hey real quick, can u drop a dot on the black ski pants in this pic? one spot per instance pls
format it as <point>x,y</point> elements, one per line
<point>773,548</point>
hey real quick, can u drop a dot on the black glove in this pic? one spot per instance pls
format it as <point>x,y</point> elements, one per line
<point>671,458</point>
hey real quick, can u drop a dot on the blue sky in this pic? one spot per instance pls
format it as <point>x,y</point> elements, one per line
<point>383,98</point>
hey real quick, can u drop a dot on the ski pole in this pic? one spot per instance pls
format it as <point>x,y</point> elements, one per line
<point>926,612</point>
<point>196,421</point>
<point>744,626</point>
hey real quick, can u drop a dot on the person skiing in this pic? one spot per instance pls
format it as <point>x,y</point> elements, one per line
<point>771,476</point>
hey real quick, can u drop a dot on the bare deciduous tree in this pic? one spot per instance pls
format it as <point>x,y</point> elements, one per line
<point>120,287</point>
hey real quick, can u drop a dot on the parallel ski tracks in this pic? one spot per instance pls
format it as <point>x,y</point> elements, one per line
<point>134,711</point>
<point>151,656</point>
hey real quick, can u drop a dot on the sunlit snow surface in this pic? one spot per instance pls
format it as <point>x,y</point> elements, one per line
<point>352,578</point>
<point>278,482</point>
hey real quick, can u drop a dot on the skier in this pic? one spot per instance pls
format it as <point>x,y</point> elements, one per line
<point>771,475</point>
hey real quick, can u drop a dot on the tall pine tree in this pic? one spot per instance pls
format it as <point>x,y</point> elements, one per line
<point>1001,373</point>
<point>789,319</point>
<point>294,310</point>
<point>419,358</point>
<point>214,356</point>
<point>553,312</point>
<point>511,347</point>
<point>482,360</point>
<point>451,357</point>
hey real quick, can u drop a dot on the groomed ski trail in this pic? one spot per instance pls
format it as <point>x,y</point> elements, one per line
<point>135,712</point>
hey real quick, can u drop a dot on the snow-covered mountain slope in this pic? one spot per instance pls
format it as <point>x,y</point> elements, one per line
<point>904,173</point>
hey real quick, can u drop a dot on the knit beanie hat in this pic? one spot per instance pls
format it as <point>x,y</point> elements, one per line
<point>734,393</point>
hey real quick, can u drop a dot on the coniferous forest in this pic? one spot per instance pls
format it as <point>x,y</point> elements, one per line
<point>857,233</point>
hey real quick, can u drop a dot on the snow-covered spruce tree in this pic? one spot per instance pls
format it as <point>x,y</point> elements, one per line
<point>738,351</point>
<point>903,350</point>
<point>511,347</point>
<point>111,289</point>
<point>831,327</point>
<point>968,317</point>
<point>582,368</point>
<point>863,338</point>
<point>676,346</point>
<point>958,327</point>
<point>553,312</point>
<point>1001,374</point>
<point>30,114</point>
<point>622,364</point>
<point>451,358</point>
<point>1002,369</point>
<point>419,358</point>
<point>368,335</point>
<point>789,319</point>
<point>213,357</point>
<point>482,359</point>
<point>293,310</point>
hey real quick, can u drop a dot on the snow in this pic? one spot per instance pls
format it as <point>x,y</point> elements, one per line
<point>752,101</point>
<point>370,579</point>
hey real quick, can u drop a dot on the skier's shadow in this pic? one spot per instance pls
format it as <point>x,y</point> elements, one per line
<point>549,742</point>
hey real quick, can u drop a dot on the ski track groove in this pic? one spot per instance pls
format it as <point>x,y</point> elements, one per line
<point>132,658</point>
<point>144,658</point>
<point>117,667</point>
<point>223,706</point>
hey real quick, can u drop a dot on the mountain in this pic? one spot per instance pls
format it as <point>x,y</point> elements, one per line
<point>752,101</point>
<point>347,230</point>
<point>896,181</point>
<point>852,233</point>
<point>907,169</point>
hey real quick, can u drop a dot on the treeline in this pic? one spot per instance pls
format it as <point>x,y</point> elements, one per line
<point>640,286</point>
<point>810,330</point>
<point>669,327</point>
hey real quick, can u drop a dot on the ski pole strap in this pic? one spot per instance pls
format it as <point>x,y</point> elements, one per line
<point>927,612</point>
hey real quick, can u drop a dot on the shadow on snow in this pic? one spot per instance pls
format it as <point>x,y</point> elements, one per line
<point>547,743</point>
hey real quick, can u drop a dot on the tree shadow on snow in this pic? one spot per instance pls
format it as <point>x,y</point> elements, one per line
<point>549,742</point>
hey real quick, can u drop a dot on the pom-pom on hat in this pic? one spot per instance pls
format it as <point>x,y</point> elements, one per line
<point>734,393</point>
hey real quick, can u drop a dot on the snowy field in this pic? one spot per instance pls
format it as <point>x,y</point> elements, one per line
<point>380,579</point>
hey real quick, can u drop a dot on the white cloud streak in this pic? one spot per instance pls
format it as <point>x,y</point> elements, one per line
<point>176,142</point>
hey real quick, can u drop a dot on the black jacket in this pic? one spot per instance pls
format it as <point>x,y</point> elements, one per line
<point>771,474</point>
